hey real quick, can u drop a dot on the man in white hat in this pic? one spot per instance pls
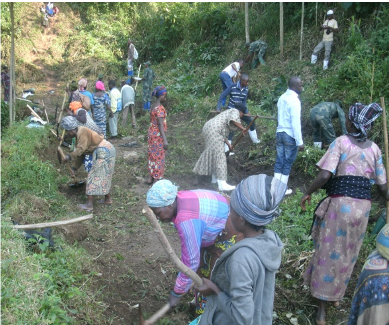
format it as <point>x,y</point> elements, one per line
<point>330,26</point>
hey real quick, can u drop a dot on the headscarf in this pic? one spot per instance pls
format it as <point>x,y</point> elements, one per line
<point>363,116</point>
<point>147,63</point>
<point>69,123</point>
<point>240,107</point>
<point>74,106</point>
<point>100,85</point>
<point>161,194</point>
<point>159,91</point>
<point>382,241</point>
<point>257,197</point>
<point>82,83</point>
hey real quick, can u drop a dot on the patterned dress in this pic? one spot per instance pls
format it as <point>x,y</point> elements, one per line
<point>156,153</point>
<point>100,112</point>
<point>213,160</point>
<point>370,305</point>
<point>341,221</point>
<point>103,165</point>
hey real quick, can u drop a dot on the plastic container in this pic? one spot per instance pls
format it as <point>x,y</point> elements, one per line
<point>380,223</point>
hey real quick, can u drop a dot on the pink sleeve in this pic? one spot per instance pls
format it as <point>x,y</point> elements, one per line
<point>331,158</point>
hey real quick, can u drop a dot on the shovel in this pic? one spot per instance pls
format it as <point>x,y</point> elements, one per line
<point>241,135</point>
<point>174,258</point>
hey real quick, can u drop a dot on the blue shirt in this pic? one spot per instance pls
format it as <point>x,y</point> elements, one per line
<point>237,94</point>
<point>289,115</point>
<point>87,93</point>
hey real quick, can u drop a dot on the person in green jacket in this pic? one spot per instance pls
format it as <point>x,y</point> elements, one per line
<point>321,119</point>
<point>257,52</point>
<point>147,79</point>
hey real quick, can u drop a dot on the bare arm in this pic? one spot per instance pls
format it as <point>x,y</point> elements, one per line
<point>162,131</point>
<point>321,179</point>
<point>383,189</point>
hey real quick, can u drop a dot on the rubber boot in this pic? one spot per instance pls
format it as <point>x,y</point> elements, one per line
<point>214,179</point>
<point>284,179</point>
<point>277,175</point>
<point>325,65</point>
<point>253,136</point>
<point>313,59</point>
<point>260,58</point>
<point>223,186</point>
<point>317,144</point>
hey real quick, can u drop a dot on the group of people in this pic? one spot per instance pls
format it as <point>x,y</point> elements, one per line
<point>48,11</point>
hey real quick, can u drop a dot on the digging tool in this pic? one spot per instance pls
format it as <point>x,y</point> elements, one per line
<point>174,258</point>
<point>386,148</point>
<point>262,117</point>
<point>240,136</point>
<point>62,160</point>
<point>36,114</point>
<point>54,223</point>
<point>136,85</point>
<point>44,109</point>
<point>63,104</point>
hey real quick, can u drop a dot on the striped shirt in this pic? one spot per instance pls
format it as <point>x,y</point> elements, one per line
<point>201,217</point>
<point>237,94</point>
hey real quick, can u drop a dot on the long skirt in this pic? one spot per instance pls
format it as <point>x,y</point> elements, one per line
<point>156,164</point>
<point>337,235</point>
<point>213,160</point>
<point>209,256</point>
<point>103,165</point>
<point>370,305</point>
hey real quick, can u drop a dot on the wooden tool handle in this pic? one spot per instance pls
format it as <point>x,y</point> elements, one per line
<point>241,135</point>
<point>384,124</point>
<point>54,223</point>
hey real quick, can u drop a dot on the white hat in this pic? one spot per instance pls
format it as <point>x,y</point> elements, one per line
<point>330,12</point>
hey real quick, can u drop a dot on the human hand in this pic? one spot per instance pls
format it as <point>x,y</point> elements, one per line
<point>173,300</point>
<point>207,288</point>
<point>301,148</point>
<point>165,145</point>
<point>305,198</point>
<point>110,115</point>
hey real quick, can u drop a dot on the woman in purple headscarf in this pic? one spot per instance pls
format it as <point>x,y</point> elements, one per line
<point>157,136</point>
<point>347,171</point>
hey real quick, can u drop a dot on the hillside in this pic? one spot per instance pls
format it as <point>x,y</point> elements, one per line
<point>103,268</point>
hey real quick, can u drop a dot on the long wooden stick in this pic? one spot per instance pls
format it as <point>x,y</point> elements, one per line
<point>241,135</point>
<point>262,117</point>
<point>173,257</point>
<point>54,223</point>
<point>35,114</point>
<point>136,85</point>
<point>384,124</point>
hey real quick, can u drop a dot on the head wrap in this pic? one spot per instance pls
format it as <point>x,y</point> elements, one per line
<point>330,12</point>
<point>161,194</point>
<point>74,106</point>
<point>100,85</point>
<point>159,91</point>
<point>69,123</point>
<point>147,63</point>
<point>240,107</point>
<point>82,83</point>
<point>382,241</point>
<point>362,117</point>
<point>257,197</point>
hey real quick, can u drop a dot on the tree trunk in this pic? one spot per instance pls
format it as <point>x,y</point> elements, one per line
<point>247,24</point>
<point>302,32</point>
<point>282,29</point>
<point>12,69</point>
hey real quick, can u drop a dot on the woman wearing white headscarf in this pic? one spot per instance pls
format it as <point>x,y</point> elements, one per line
<point>241,289</point>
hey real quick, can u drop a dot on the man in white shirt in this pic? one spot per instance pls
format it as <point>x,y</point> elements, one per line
<point>288,136</point>
<point>114,96</point>
<point>128,100</point>
<point>330,27</point>
<point>228,73</point>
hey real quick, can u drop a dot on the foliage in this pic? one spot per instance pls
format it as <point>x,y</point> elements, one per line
<point>306,161</point>
<point>4,116</point>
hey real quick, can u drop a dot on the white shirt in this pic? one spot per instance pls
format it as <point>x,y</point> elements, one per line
<point>331,23</point>
<point>128,95</point>
<point>289,114</point>
<point>231,72</point>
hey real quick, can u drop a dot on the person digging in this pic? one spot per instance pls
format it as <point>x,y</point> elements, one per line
<point>101,170</point>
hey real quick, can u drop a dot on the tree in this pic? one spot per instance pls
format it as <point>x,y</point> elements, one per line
<point>282,29</point>
<point>247,24</point>
<point>302,31</point>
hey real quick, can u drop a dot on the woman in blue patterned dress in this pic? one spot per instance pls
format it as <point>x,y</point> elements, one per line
<point>101,106</point>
